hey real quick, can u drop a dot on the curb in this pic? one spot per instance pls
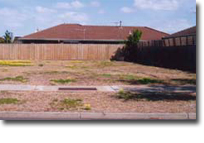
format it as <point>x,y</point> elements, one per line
<point>94,116</point>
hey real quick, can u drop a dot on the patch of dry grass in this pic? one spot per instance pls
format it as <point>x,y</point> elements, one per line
<point>8,101</point>
<point>63,81</point>
<point>78,62</point>
<point>17,79</point>
<point>4,70</point>
<point>103,64</point>
<point>15,63</point>
<point>184,81</point>
<point>70,104</point>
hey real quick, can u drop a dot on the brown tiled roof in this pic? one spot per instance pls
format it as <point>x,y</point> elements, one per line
<point>85,32</point>
<point>189,31</point>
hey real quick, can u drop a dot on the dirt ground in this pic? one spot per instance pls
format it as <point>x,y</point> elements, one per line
<point>91,73</point>
<point>98,102</point>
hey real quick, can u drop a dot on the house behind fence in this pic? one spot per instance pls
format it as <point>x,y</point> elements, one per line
<point>89,34</point>
<point>177,51</point>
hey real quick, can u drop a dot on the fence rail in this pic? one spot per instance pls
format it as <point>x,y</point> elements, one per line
<point>57,51</point>
<point>188,40</point>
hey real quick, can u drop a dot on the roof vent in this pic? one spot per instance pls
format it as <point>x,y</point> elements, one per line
<point>121,26</point>
<point>37,30</point>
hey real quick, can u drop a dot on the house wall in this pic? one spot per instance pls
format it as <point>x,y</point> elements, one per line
<point>58,51</point>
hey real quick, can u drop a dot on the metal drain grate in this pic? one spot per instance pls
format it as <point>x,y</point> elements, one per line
<point>77,89</point>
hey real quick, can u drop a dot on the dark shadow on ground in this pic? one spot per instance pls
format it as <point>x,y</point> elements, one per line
<point>156,96</point>
<point>163,88</point>
<point>146,81</point>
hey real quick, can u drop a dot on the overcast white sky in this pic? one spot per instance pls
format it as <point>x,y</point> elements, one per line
<point>23,17</point>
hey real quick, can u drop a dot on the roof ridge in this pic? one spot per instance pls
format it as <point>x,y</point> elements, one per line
<point>100,25</point>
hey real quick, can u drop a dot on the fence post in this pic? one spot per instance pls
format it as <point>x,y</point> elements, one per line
<point>187,41</point>
<point>164,43</point>
<point>180,41</point>
<point>174,41</point>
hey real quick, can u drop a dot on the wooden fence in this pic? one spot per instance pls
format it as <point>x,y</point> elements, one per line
<point>187,40</point>
<point>172,52</point>
<point>57,51</point>
<point>182,57</point>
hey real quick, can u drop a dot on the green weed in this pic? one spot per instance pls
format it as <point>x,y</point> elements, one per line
<point>69,104</point>
<point>63,81</point>
<point>15,63</point>
<point>9,101</point>
<point>17,79</point>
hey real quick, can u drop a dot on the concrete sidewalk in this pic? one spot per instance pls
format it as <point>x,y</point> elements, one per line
<point>94,116</point>
<point>136,88</point>
<point>10,87</point>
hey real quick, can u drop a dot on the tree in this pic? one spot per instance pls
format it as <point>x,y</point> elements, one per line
<point>134,38</point>
<point>130,49</point>
<point>8,37</point>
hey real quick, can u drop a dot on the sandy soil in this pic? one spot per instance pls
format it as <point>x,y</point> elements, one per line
<point>99,102</point>
<point>93,73</point>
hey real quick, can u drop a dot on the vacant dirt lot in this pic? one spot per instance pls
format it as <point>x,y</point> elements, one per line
<point>91,73</point>
<point>96,101</point>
